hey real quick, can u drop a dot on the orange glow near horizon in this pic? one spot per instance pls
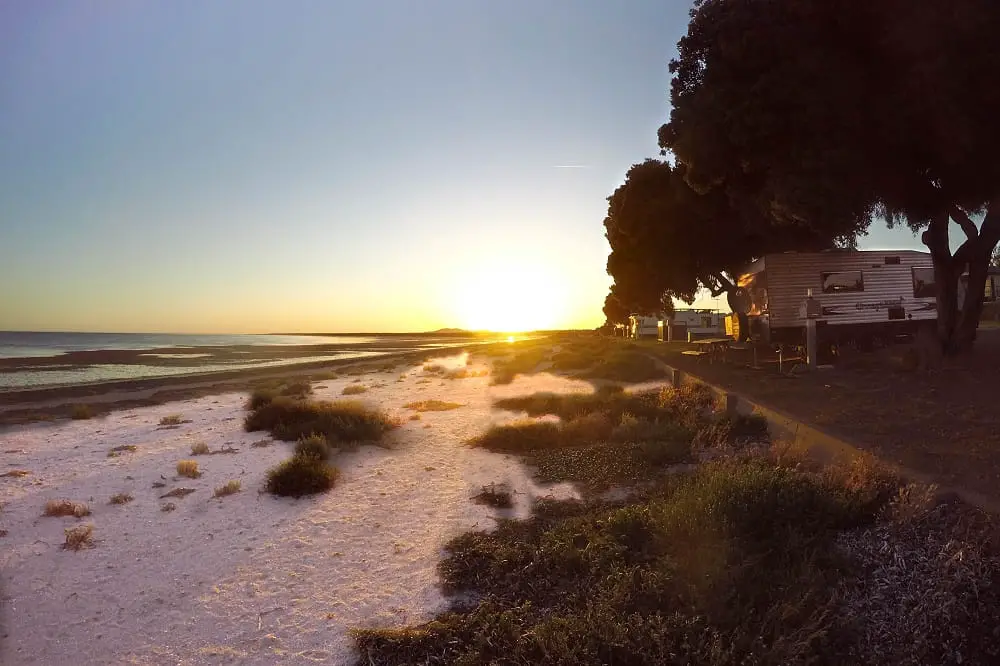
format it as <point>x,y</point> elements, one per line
<point>510,298</point>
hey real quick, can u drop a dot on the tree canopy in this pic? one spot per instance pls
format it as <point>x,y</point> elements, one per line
<point>821,114</point>
<point>668,240</point>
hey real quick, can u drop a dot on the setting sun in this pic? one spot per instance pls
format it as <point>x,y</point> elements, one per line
<point>510,298</point>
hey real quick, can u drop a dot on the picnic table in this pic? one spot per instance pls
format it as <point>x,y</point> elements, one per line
<point>712,348</point>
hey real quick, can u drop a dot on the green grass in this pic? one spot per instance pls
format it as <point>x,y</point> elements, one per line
<point>733,565</point>
<point>301,475</point>
<point>606,438</point>
<point>290,419</point>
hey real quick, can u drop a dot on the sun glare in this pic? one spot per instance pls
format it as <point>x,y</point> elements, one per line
<point>510,298</point>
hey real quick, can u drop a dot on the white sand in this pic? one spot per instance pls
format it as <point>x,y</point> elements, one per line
<point>249,578</point>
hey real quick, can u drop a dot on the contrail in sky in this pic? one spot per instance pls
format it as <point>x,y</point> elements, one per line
<point>570,166</point>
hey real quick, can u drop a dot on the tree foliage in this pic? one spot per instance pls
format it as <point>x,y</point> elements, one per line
<point>668,240</point>
<point>824,113</point>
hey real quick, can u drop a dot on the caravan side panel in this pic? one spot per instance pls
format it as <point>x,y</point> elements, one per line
<point>852,287</point>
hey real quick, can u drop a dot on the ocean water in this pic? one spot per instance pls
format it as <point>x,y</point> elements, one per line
<point>17,344</point>
<point>32,360</point>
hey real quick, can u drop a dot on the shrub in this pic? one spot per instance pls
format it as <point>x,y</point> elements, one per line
<point>314,446</point>
<point>434,368</point>
<point>265,394</point>
<point>81,412</point>
<point>230,488</point>
<point>301,475</point>
<point>495,495</point>
<point>354,389</point>
<point>261,397</point>
<point>200,449</point>
<point>288,420</point>
<point>172,420</point>
<point>64,507</point>
<point>188,468</point>
<point>79,537</point>
<point>432,406</point>
<point>121,498</point>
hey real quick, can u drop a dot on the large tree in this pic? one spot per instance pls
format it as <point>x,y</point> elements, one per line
<point>825,113</point>
<point>669,240</point>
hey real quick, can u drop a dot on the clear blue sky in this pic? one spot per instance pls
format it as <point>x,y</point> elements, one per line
<point>246,166</point>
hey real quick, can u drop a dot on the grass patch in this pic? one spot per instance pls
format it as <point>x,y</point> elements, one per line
<point>733,565</point>
<point>79,537</point>
<point>200,449</point>
<point>81,412</point>
<point>172,420</point>
<point>627,366</point>
<point>188,468</point>
<point>605,438</point>
<point>229,488</point>
<point>432,406</point>
<point>497,495</point>
<point>65,507</point>
<point>341,420</point>
<point>261,443</point>
<point>121,498</point>
<point>355,389</point>
<point>300,476</point>
<point>434,368</point>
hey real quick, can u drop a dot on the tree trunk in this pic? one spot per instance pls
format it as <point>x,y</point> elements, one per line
<point>979,256</point>
<point>946,276</point>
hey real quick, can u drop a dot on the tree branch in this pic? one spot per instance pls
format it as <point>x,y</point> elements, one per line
<point>964,221</point>
<point>726,284</point>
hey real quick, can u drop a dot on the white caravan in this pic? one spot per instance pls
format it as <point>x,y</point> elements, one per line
<point>856,296</point>
<point>640,326</point>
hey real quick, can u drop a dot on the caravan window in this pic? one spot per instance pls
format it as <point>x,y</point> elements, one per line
<point>923,283</point>
<point>838,283</point>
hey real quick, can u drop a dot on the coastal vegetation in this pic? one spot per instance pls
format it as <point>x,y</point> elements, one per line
<point>290,419</point>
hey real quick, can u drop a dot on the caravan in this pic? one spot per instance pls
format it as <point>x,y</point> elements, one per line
<point>691,324</point>
<point>855,296</point>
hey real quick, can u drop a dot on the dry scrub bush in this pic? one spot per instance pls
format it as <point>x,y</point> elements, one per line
<point>230,488</point>
<point>188,468</point>
<point>65,507</point>
<point>79,537</point>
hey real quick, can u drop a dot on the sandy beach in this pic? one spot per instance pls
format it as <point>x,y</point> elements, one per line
<point>247,578</point>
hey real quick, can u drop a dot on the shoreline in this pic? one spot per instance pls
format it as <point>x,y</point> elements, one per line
<point>25,406</point>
